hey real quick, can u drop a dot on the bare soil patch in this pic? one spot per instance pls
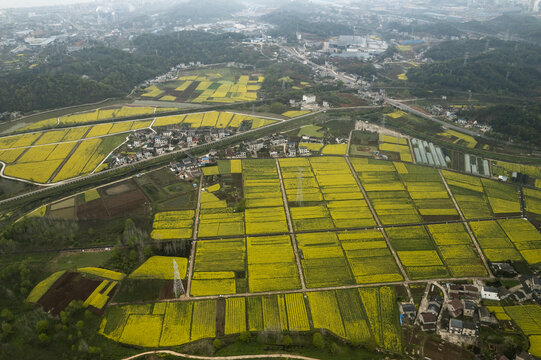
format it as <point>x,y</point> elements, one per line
<point>71,286</point>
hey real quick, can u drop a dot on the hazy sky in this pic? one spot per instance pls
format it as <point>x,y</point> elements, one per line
<point>29,3</point>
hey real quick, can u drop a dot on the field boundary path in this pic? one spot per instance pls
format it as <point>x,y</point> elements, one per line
<point>292,235</point>
<point>194,238</point>
<point>233,357</point>
<point>466,225</point>
<point>302,291</point>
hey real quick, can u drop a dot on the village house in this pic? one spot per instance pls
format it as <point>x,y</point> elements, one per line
<point>409,310</point>
<point>490,293</point>
<point>485,317</point>
<point>455,307</point>
<point>469,308</point>
<point>428,321</point>
<point>469,328</point>
<point>455,326</point>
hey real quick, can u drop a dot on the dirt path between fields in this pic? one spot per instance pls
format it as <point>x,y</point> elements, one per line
<point>290,225</point>
<point>194,237</point>
<point>235,357</point>
<point>466,225</point>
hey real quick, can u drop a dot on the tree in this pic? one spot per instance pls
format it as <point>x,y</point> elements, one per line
<point>7,328</point>
<point>317,341</point>
<point>42,326</point>
<point>217,344</point>
<point>287,341</point>
<point>43,338</point>
<point>335,348</point>
<point>277,108</point>
<point>245,336</point>
<point>6,314</point>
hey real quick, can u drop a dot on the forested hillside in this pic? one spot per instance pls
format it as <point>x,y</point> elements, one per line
<point>101,72</point>
<point>492,67</point>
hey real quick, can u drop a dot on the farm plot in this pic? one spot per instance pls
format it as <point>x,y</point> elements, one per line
<point>457,250</point>
<point>503,198</point>
<point>102,273</point>
<point>219,266</point>
<point>96,115</point>
<point>216,219</point>
<point>177,323</point>
<point>386,191</point>
<point>299,181</point>
<point>56,292</point>
<point>160,267</point>
<point>173,225</point>
<point>37,163</point>
<point>140,325</point>
<point>334,149</point>
<point>341,193</point>
<point>525,237</point>
<point>213,88</point>
<point>264,212</point>
<point>370,260</point>
<point>428,192</point>
<point>261,183</point>
<point>43,286</point>
<point>469,193</point>
<point>382,313</point>
<point>393,144</point>
<point>213,119</point>
<point>267,220</point>
<point>235,315</point>
<point>528,318</point>
<point>271,264</point>
<point>100,295</point>
<point>323,260</point>
<point>458,138</point>
<point>494,242</point>
<point>295,113</point>
<point>532,199</point>
<point>417,252</point>
<point>359,315</point>
<point>88,155</point>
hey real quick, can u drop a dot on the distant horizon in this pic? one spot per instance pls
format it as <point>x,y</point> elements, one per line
<point>11,4</point>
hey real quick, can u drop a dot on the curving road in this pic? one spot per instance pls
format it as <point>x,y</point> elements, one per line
<point>235,357</point>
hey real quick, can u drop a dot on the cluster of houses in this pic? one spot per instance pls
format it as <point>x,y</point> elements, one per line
<point>463,313</point>
<point>147,144</point>
<point>450,113</point>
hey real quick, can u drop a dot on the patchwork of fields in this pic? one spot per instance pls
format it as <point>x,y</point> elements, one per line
<point>359,315</point>
<point>97,116</point>
<point>57,155</point>
<point>298,222</point>
<point>209,88</point>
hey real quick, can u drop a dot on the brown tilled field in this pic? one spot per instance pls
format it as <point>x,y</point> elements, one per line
<point>71,286</point>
